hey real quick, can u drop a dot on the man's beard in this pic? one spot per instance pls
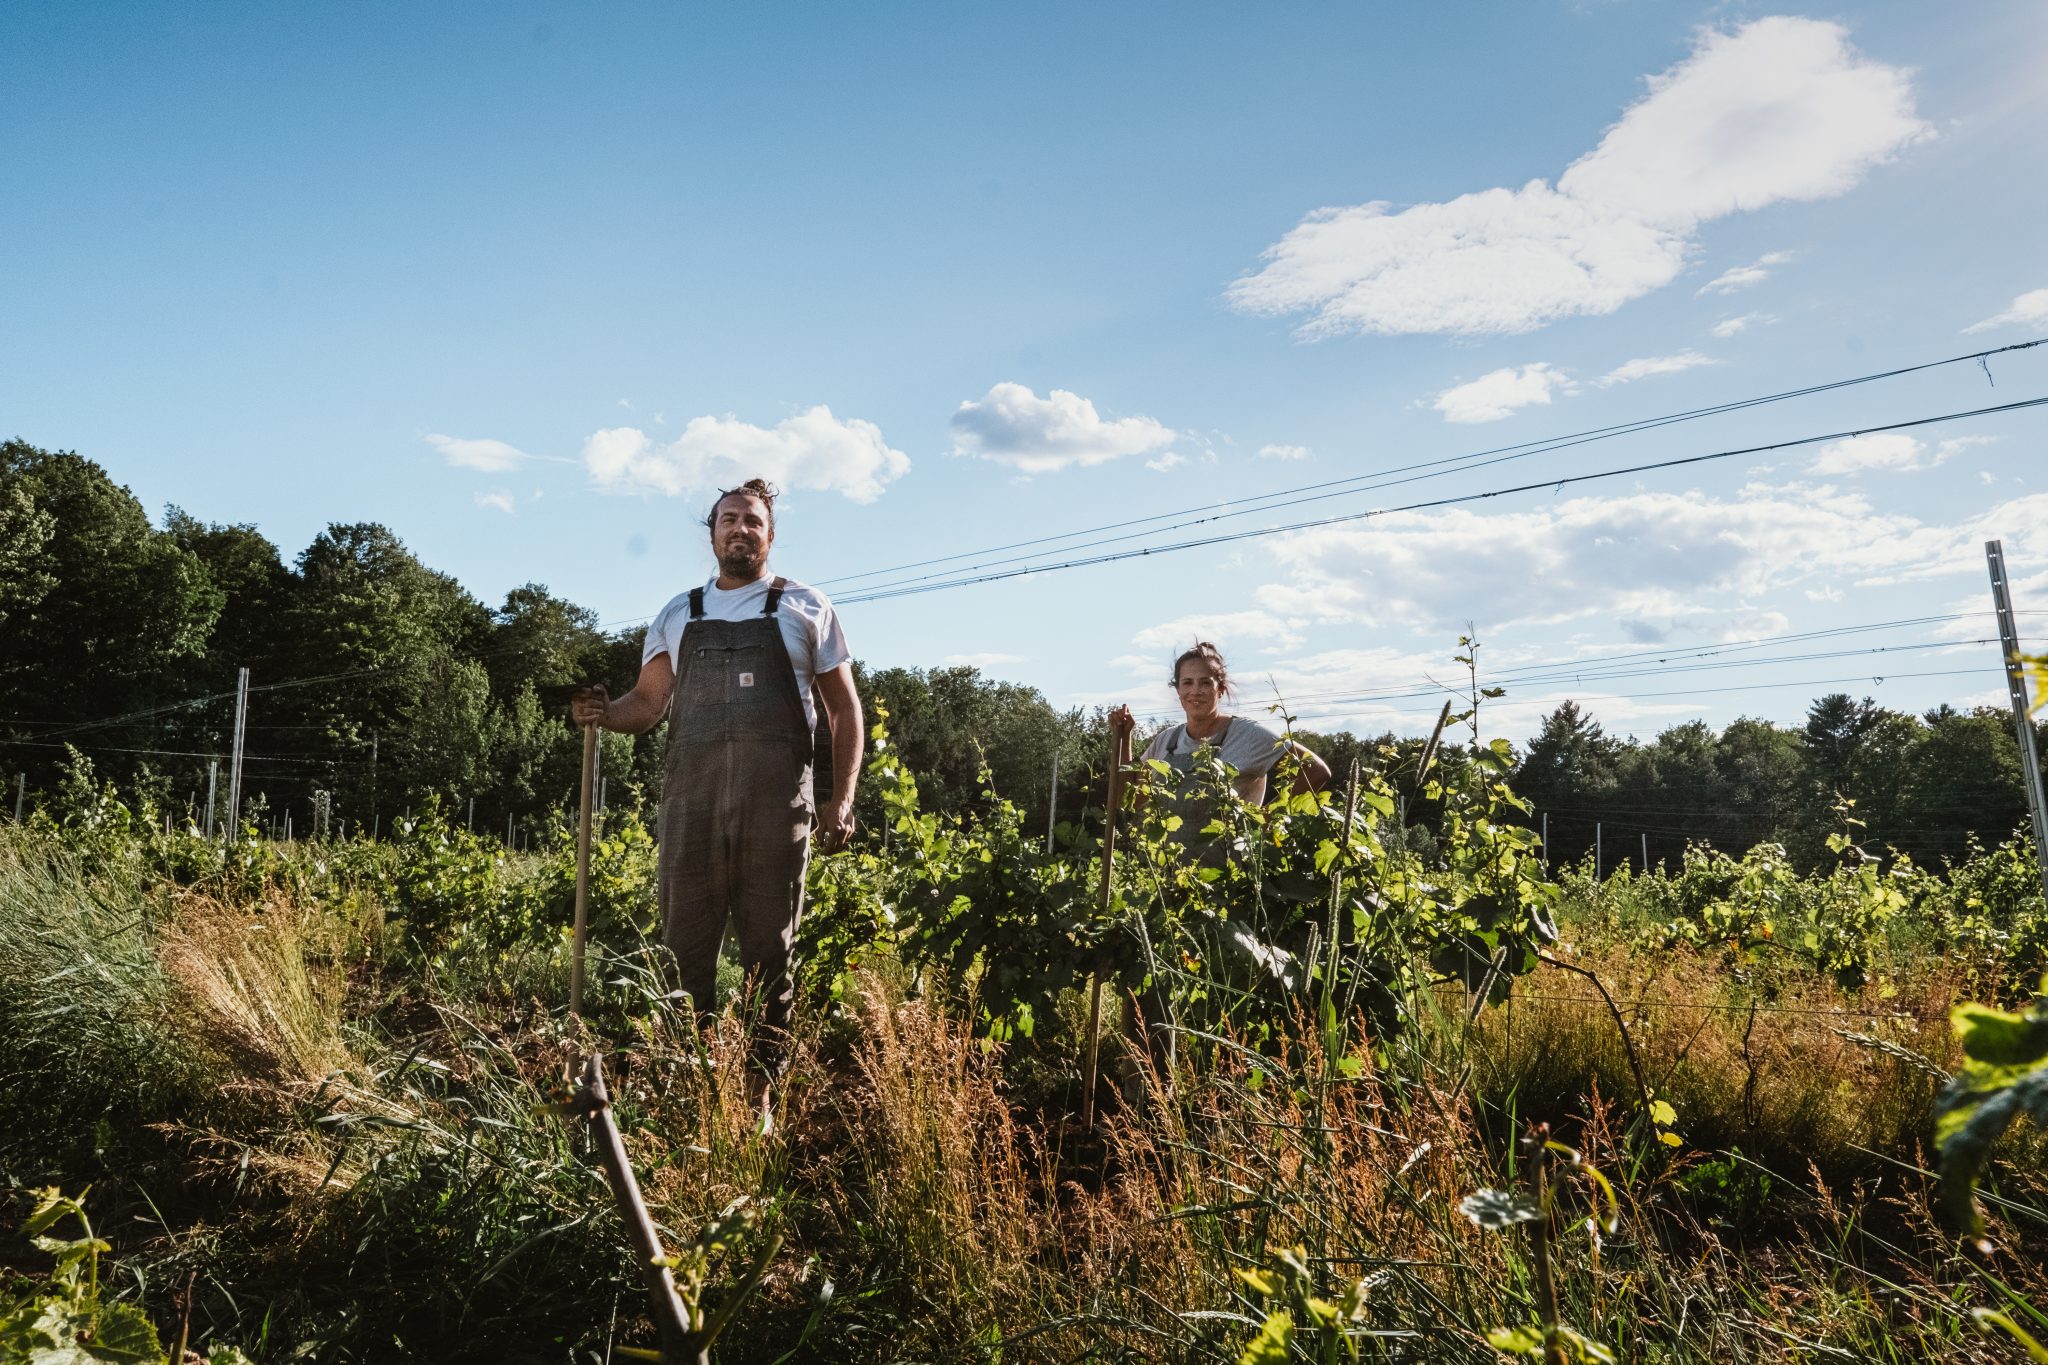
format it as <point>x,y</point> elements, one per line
<point>740,562</point>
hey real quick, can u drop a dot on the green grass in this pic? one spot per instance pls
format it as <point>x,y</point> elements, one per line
<point>347,1141</point>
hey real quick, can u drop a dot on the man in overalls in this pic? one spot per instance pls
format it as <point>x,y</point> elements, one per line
<point>734,666</point>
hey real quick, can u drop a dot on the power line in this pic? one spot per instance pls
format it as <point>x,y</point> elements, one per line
<point>1681,692</point>
<point>1598,668</point>
<point>1545,445</point>
<point>1556,676</point>
<point>1001,575</point>
<point>885,593</point>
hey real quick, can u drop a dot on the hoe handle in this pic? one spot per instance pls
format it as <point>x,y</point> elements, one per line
<point>582,874</point>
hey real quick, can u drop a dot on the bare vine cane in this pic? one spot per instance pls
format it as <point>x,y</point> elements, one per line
<point>582,876</point>
<point>1119,756</point>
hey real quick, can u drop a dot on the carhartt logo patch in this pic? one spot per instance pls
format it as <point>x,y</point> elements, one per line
<point>746,680</point>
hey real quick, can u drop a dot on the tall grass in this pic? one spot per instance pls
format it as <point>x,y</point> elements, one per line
<point>356,1156</point>
<point>87,1046</point>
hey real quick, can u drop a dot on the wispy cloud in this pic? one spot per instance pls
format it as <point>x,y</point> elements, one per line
<point>813,450</point>
<point>1893,450</point>
<point>1646,367</point>
<point>1502,393</point>
<point>2028,310</point>
<point>1279,452</point>
<point>1780,109</point>
<point>1728,327</point>
<point>500,501</point>
<point>1011,425</point>
<point>1646,562</point>
<point>489,457</point>
<point>1739,277</point>
<point>1223,629</point>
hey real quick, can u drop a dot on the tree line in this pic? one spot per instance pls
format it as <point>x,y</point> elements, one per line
<point>384,683</point>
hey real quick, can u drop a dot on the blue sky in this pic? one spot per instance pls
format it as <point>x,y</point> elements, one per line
<point>524,282</point>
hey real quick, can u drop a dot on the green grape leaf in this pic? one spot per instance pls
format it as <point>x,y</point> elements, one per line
<point>1515,1341</point>
<point>1262,1282</point>
<point>1270,1346</point>
<point>123,1332</point>
<point>1584,1347</point>
<point>1996,1038</point>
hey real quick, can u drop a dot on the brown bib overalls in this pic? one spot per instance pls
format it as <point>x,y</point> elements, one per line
<point>736,807</point>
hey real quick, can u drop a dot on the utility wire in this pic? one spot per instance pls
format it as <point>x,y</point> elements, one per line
<point>914,589</point>
<point>1679,692</point>
<point>1241,507</point>
<point>1555,677</point>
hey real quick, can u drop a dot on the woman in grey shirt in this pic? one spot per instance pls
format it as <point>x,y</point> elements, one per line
<point>1202,683</point>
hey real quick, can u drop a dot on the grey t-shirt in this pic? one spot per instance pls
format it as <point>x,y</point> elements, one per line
<point>810,628</point>
<point>1245,745</point>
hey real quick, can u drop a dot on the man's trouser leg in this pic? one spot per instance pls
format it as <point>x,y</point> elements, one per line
<point>692,881</point>
<point>736,845</point>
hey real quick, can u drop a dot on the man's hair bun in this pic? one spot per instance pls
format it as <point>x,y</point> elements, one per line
<point>753,488</point>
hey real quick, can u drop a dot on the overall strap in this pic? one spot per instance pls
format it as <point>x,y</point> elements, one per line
<point>774,596</point>
<point>696,604</point>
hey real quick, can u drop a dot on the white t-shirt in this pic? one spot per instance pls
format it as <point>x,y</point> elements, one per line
<point>1247,746</point>
<point>810,628</point>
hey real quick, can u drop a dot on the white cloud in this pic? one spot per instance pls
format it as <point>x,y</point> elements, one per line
<point>812,451</point>
<point>1780,109</point>
<point>1226,630</point>
<point>1500,393</point>
<point>490,457</point>
<point>1893,450</point>
<point>1880,450</point>
<point>1278,452</point>
<point>1013,426</point>
<point>982,660</point>
<point>1646,366</point>
<point>1654,562</point>
<point>1728,327</point>
<point>1737,277</point>
<point>2028,310</point>
<point>1166,462</point>
<point>502,501</point>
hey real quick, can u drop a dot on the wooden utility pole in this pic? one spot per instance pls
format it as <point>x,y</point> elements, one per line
<point>1646,853</point>
<point>235,765</point>
<point>1119,755</point>
<point>20,794</point>
<point>2022,712</point>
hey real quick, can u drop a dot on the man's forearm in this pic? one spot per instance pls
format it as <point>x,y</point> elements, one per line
<point>633,714</point>
<point>848,742</point>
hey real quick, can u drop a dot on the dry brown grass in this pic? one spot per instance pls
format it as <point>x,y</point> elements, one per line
<point>1808,1075</point>
<point>253,999</point>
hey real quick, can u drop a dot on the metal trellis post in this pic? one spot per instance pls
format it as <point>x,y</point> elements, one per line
<point>2016,688</point>
<point>235,765</point>
<point>1052,803</point>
